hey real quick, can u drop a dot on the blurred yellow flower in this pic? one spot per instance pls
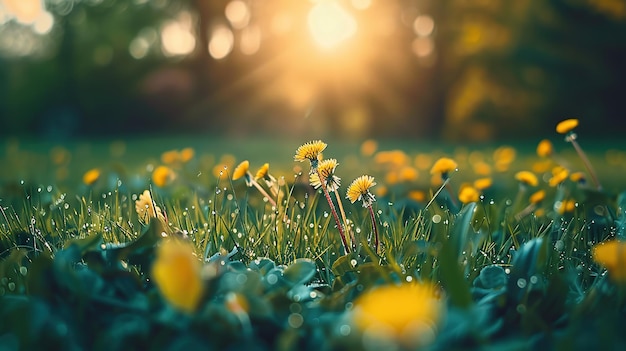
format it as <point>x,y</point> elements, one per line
<point>408,174</point>
<point>327,169</point>
<point>391,178</point>
<point>416,195</point>
<point>566,126</point>
<point>162,175</point>
<point>263,172</point>
<point>408,313</point>
<point>310,151</point>
<point>359,190</point>
<point>423,161</point>
<point>368,148</point>
<point>537,197</point>
<point>544,148</point>
<point>527,178</point>
<point>382,190</point>
<point>170,157</point>
<point>393,157</point>
<point>241,170</point>
<point>444,166</point>
<point>468,194</point>
<point>612,256</point>
<point>559,175</point>
<point>504,155</point>
<point>187,154</point>
<point>176,272</point>
<point>481,168</point>
<point>483,183</point>
<point>567,206</point>
<point>146,208</point>
<point>578,177</point>
<point>91,176</point>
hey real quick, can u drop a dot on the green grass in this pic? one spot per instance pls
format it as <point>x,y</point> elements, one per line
<point>76,258</point>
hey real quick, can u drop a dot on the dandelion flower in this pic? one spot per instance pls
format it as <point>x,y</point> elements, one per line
<point>567,206</point>
<point>566,126</point>
<point>468,194</point>
<point>483,183</point>
<point>310,151</point>
<point>368,148</point>
<point>408,313</point>
<point>186,154</point>
<point>360,190</point>
<point>242,170</point>
<point>444,166</point>
<point>527,178</point>
<point>559,175</point>
<point>612,256</point>
<point>578,177</point>
<point>146,208</point>
<point>170,157</point>
<point>537,197</point>
<point>544,148</point>
<point>326,169</point>
<point>176,272</point>
<point>91,176</point>
<point>263,172</point>
<point>162,175</point>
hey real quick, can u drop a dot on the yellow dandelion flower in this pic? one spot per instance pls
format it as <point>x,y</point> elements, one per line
<point>391,178</point>
<point>468,194</point>
<point>241,170</point>
<point>162,175</point>
<point>612,256</point>
<point>483,183</point>
<point>481,168</point>
<point>368,148</point>
<point>310,151</point>
<point>540,212</point>
<point>444,166</point>
<point>544,148</point>
<point>187,154</point>
<point>91,176</point>
<point>559,175</point>
<point>537,197</point>
<point>578,177</point>
<point>263,172</point>
<point>408,174</point>
<point>527,178</point>
<point>423,161</point>
<point>542,166</point>
<point>382,190</point>
<point>146,209</point>
<point>408,312</point>
<point>504,155</point>
<point>566,126</point>
<point>417,195</point>
<point>327,169</point>
<point>170,157</point>
<point>176,272</point>
<point>566,206</point>
<point>359,190</point>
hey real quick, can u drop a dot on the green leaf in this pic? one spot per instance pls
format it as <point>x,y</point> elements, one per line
<point>461,227</point>
<point>300,272</point>
<point>345,264</point>
<point>527,261</point>
<point>621,216</point>
<point>491,277</point>
<point>452,279</point>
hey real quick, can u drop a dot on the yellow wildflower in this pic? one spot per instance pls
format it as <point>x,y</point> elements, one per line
<point>566,206</point>
<point>578,177</point>
<point>504,155</point>
<point>382,190</point>
<point>537,197</point>
<point>527,178</point>
<point>559,175</point>
<point>391,178</point>
<point>408,174</point>
<point>416,195</point>
<point>241,170</point>
<point>423,161</point>
<point>408,313</point>
<point>368,148</point>
<point>170,157</point>
<point>263,172</point>
<point>91,176</point>
<point>186,154</point>
<point>162,175</point>
<point>468,194</point>
<point>176,272</point>
<point>612,256</point>
<point>146,208</point>
<point>359,190</point>
<point>481,168</point>
<point>544,148</point>
<point>566,126</point>
<point>327,169</point>
<point>444,166</point>
<point>310,151</point>
<point>483,183</point>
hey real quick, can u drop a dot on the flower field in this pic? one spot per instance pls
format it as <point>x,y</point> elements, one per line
<point>315,246</point>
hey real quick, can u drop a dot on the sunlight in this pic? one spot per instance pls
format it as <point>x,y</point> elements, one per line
<point>330,24</point>
<point>177,36</point>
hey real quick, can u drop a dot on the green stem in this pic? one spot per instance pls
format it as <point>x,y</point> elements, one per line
<point>334,212</point>
<point>375,228</point>
<point>586,162</point>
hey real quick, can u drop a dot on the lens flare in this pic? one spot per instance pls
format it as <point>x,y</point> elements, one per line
<point>330,24</point>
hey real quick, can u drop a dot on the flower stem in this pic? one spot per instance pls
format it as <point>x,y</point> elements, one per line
<point>375,228</point>
<point>586,162</point>
<point>334,212</point>
<point>263,192</point>
<point>345,221</point>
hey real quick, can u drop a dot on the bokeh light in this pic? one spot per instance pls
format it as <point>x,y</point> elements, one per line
<point>330,24</point>
<point>177,37</point>
<point>221,42</point>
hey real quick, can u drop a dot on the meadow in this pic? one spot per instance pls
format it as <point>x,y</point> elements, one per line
<point>261,244</point>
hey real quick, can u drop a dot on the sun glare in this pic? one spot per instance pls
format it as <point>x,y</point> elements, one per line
<point>330,24</point>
